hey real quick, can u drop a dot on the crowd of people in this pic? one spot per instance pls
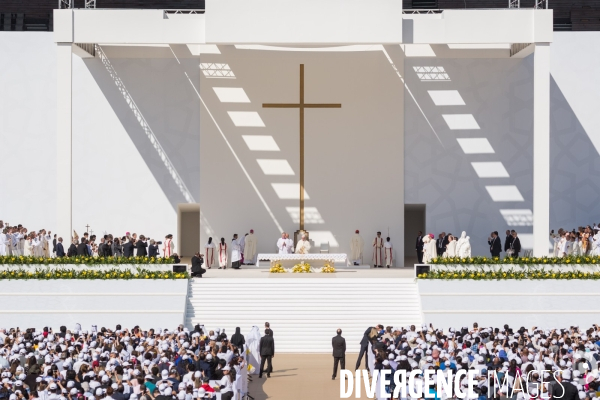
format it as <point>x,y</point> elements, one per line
<point>580,241</point>
<point>123,364</point>
<point>528,362</point>
<point>17,240</point>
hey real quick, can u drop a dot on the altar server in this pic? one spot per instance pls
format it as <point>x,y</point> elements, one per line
<point>250,249</point>
<point>378,251</point>
<point>303,246</point>
<point>289,244</point>
<point>209,253</point>
<point>222,254</point>
<point>389,250</point>
<point>236,252</point>
<point>356,248</point>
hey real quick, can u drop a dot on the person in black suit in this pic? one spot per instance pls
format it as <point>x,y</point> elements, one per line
<point>515,246</point>
<point>141,246</point>
<point>507,241</point>
<point>419,247</point>
<point>197,262</point>
<point>128,248</point>
<point>339,352</point>
<point>364,346</point>
<point>440,247</point>
<point>266,349</point>
<point>82,249</point>
<point>565,390</point>
<point>495,244</point>
<point>54,245</point>
<point>60,250</point>
<point>153,249</point>
<point>72,252</point>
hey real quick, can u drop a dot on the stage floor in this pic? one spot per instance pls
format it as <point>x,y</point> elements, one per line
<point>252,272</point>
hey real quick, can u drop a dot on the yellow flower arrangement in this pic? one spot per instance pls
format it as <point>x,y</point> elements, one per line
<point>328,268</point>
<point>277,268</point>
<point>303,267</point>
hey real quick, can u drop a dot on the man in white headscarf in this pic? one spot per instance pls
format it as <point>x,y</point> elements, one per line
<point>253,353</point>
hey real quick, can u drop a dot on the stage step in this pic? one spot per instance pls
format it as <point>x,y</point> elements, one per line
<point>304,313</point>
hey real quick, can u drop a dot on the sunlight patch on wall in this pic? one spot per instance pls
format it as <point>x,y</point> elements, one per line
<point>518,217</point>
<point>311,215</point>
<point>288,191</point>
<point>446,97</point>
<point>246,118</point>
<point>504,193</point>
<point>460,121</point>
<point>492,169</point>
<point>475,146</point>
<point>231,95</point>
<point>275,167</point>
<point>260,143</point>
<point>323,237</point>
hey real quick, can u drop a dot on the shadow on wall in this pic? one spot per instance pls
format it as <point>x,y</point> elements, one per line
<point>574,167</point>
<point>162,93</point>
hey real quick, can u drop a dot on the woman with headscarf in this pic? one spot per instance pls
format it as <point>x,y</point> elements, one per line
<point>253,344</point>
<point>209,253</point>
<point>237,339</point>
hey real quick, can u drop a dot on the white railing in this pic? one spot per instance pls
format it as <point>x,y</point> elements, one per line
<point>175,11</point>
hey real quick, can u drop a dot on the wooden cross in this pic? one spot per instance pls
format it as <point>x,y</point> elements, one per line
<point>87,228</point>
<point>301,106</point>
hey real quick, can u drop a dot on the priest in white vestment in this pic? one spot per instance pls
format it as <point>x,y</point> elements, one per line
<point>357,245</point>
<point>236,252</point>
<point>460,242</point>
<point>250,249</point>
<point>252,349</point>
<point>289,244</point>
<point>242,241</point>
<point>209,253</point>
<point>3,242</point>
<point>282,244</point>
<point>378,251</point>
<point>451,247</point>
<point>303,246</point>
<point>465,249</point>
<point>389,250</point>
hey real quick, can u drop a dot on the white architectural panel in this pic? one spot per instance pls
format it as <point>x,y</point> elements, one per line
<point>491,169</point>
<point>460,121</point>
<point>504,193</point>
<point>475,145</point>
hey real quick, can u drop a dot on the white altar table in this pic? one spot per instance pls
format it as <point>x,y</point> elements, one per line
<point>296,258</point>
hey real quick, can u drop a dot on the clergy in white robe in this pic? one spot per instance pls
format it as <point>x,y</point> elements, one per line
<point>427,254</point>
<point>431,247</point>
<point>389,250</point>
<point>250,249</point>
<point>303,246</point>
<point>282,245</point>
<point>236,252</point>
<point>209,253</point>
<point>357,245</point>
<point>378,251</point>
<point>3,242</point>
<point>460,242</point>
<point>242,241</point>
<point>465,249</point>
<point>28,249</point>
<point>451,247</point>
<point>252,349</point>
<point>289,244</point>
<point>222,254</point>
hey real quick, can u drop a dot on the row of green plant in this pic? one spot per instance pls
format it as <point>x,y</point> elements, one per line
<point>509,274</point>
<point>570,260</point>
<point>115,273</point>
<point>81,260</point>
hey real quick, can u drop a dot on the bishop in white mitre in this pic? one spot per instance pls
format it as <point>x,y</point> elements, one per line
<point>356,248</point>
<point>303,246</point>
<point>250,249</point>
<point>378,251</point>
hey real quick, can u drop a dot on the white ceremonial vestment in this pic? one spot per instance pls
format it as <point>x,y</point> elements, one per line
<point>465,249</point>
<point>389,250</point>
<point>209,255</point>
<point>252,347</point>
<point>378,251</point>
<point>168,248</point>
<point>289,246</point>
<point>451,249</point>
<point>28,248</point>
<point>431,249</point>
<point>370,359</point>
<point>303,247</point>
<point>281,246</point>
<point>250,250</point>
<point>357,245</point>
<point>236,253</point>
<point>460,242</point>
<point>3,243</point>
<point>37,247</point>
<point>222,255</point>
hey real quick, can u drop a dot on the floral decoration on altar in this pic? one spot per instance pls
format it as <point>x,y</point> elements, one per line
<point>277,268</point>
<point>328,268</point>
<point>302,268</point>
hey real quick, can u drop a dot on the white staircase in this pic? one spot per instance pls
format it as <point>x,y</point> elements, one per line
<point>304,313</point>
